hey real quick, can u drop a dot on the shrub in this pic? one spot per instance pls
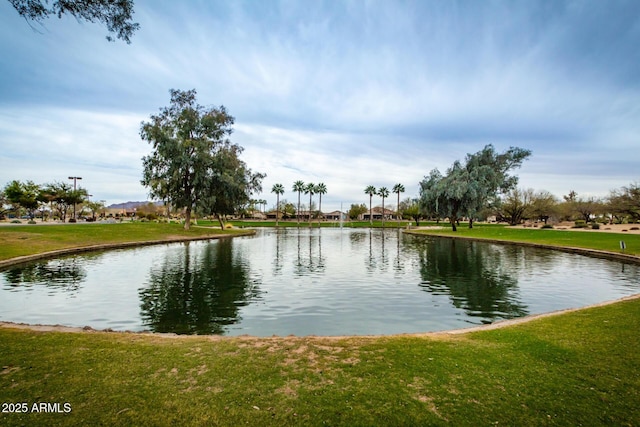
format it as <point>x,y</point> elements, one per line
<point>634,228</point>
<point>72,220</point>
<point>580,223</point>
<point>547,226</point>
<point>16,221</point>
<point>31,221</point>
<point>228,226</point>
<point>152,216</point>
<point>595,226</point>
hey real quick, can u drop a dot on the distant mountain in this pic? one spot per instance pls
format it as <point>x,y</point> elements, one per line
<point>131,205</point>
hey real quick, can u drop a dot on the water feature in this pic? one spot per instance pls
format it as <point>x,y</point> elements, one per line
<point>308,281</point>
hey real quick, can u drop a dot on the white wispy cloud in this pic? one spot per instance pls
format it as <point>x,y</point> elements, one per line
<point>348,93</point>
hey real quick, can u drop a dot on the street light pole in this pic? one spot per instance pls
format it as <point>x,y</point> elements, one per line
<point>74,178</point>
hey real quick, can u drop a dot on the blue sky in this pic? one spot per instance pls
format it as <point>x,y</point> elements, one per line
<point>349,93</point>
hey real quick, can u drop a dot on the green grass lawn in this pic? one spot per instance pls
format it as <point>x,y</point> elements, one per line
<point>32,239</point>
<point>568,238</point>
<point>578,368</point>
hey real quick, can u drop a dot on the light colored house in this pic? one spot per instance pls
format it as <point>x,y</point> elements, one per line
<point>335,216</point>
<point>377,214</point>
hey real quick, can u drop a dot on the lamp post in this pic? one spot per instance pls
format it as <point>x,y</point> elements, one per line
<point>74,178</point>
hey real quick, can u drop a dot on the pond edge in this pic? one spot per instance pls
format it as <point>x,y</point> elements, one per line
<point>107,246</point>
<point>570,249</point>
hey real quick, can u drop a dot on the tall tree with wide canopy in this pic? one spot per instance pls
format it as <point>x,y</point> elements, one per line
<point>467,188</point>
<point>62,197</point>
<point>298,187</point>
<point>23,195</point>
<point>398,188</point>
<point>625,202</point>
<point>230,185</point>
<point>430,197</point>
<point>278,189</point>
<point>384,193</point>
<point>115,14</point>
<point>488,176</point>
<point>371,191</point>
<point>191,149</point>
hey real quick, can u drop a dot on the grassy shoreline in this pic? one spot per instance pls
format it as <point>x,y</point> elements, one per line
<point>577,368</point>
<point>27,240</point>
<point>567,369</point>
<point>602,242</point>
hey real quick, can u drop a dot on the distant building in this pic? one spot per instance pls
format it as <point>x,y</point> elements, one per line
<point>377,214</point>
<point>335,216</point>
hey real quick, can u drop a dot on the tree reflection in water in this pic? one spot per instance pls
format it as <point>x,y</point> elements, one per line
<point>475,276</point>
<point>63,275</point>
<point>198,295</point>
<point>309,259</point>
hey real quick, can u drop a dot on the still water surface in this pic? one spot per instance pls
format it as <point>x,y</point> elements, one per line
<point>302,282</point>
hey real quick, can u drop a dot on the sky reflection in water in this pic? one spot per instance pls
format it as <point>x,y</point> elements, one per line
<point>303,282</point>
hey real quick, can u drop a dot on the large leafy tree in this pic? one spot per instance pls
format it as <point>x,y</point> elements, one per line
<point>116,15</point>
<point>62,197</point>
<point>371,191</point>
<point>467,188</point>
<point>356,210</point>
<point>24,195</point>
<point>544,205</point>
<point>4,205</point>
<point>298,187</point>
<point>430,196</point>
<point>517,205</point>
<point>231,184</point>
<point>194,165</point>
<point>278,189</point>
<point>626,202</point>
<point>488,176</point>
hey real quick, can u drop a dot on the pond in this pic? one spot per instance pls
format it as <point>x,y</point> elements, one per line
<point>308,282</point>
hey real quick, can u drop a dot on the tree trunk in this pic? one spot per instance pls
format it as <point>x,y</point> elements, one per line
<point>453,224</point>
<point>220,221</point>
<point>187,218</point>
<point>470,222</point>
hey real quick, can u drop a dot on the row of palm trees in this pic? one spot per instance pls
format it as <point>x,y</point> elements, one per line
<point>300,187</point>
<point>320,189</point>
<point>384,193</point>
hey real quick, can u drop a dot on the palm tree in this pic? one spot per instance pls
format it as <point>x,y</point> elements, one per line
<point>299,187</point>
<point>383,192</point>
<point>320,190</point>
<point>398,188</point>
<point>371,191</point>
<point>310,189</point>
<point>278,189</point>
